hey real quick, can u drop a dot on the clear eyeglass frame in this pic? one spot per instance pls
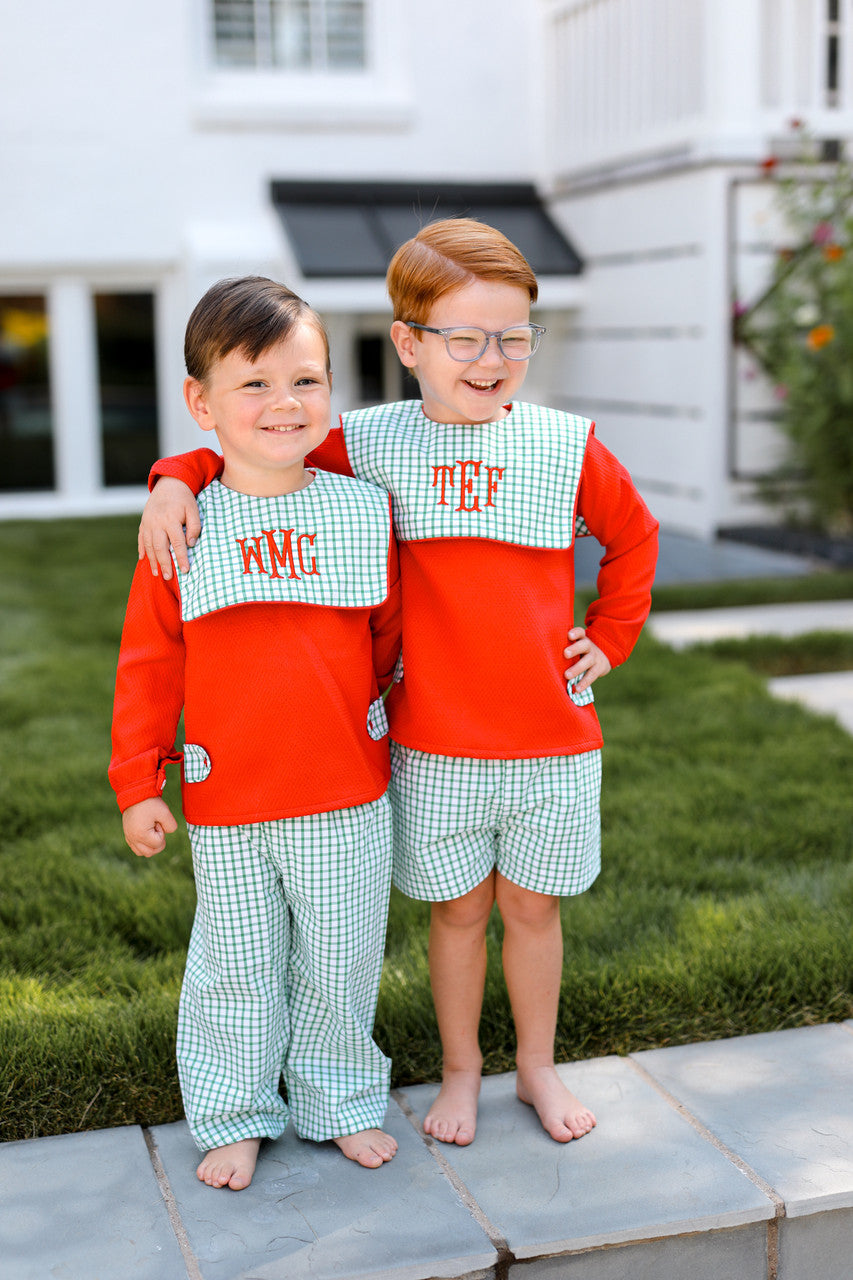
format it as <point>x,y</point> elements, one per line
<point>536,332</point>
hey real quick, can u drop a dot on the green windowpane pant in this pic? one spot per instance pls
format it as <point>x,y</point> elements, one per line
<point>282,977</point>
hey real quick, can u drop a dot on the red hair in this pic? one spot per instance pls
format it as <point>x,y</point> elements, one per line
<point>447,255</point>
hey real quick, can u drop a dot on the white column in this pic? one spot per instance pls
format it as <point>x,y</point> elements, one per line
<point>733,32</point>
<point>341,331</point>
<point>177,431</point>
<point>74,388</point>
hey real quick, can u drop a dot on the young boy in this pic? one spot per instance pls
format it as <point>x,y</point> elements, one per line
<point>495,746</point>
<point>275,644</point>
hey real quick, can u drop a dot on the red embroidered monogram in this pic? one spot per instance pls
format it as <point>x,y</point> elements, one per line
<point>444,477</point>
<point>266,551</point>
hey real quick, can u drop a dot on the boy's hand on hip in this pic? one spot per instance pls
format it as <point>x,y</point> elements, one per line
<point>170,508</point>
<point>589,662</point>
<point>146,826</point>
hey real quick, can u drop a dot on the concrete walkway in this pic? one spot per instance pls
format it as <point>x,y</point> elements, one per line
<point>724,1161</point>
<point>731,1160</point>
<point>829,693</point>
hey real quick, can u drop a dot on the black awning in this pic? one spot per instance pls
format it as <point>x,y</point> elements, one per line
<point>353,228</point>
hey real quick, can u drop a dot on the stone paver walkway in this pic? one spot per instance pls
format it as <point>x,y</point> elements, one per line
<point>724,1161</point>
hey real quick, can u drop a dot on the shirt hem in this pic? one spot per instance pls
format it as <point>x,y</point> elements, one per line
<point>516,753</point>
<point>231,819</point>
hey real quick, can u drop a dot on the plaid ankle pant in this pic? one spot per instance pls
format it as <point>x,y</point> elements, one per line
<point>282,977</point>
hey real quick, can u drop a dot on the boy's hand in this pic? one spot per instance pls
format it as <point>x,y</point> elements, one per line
<point>146,825</point>
<point>589,664</point>
<point>170,507</point>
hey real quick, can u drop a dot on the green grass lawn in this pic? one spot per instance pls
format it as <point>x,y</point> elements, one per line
<point>723,908</point>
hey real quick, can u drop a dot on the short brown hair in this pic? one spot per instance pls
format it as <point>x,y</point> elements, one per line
<point>246,313</point>
<point>448,254</point>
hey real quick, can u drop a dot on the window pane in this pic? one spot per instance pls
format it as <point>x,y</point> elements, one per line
<point>303,35</point>
<point>128,387</point>
<point>370,362</point>
<point>345,42</point>
<point>291,34</point>
<point>234,32</point>
<point>26,425</point>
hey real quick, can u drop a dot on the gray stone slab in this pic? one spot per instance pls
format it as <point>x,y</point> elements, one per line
<point>643,1172</point>
<point>782,1101</point>
<point>310,1212</point>
<point>713,1255</point>
<point>85,1206</point>
<point>817,1246</point>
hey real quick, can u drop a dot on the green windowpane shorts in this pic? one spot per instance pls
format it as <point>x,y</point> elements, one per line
<point>455,819</point>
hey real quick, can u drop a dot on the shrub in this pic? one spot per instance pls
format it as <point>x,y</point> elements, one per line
<point>801,332</point>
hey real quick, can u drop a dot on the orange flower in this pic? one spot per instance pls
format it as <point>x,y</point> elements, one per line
<point>820,336</point>
<point>833,252</point>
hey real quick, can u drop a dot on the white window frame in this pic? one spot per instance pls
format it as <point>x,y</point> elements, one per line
<point>377,95</point>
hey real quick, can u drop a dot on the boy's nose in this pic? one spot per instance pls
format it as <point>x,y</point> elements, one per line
<point>492,354</point>
<point>286,400</point>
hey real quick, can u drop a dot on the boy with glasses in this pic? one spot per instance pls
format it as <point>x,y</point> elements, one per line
<point>495,742</point>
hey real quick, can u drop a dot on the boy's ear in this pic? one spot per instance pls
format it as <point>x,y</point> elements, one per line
<point>404,340</point>
<point>195,398</point>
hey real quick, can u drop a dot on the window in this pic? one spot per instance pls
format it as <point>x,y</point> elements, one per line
<point>127,385</point>
<point>833,50</point>
<point>26,421</point>
<point>301,35</point>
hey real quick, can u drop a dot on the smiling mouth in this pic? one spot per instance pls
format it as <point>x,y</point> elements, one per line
<point>286,429</point>
<point>482,386</point>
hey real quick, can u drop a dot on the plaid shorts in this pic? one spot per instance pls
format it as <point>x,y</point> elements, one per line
<point>536,820</point>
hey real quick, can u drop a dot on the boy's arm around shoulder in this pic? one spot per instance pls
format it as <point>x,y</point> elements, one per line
<point>170,517</point>
<point>618,517</point>
<point>149,696</point>
<point>200,466</point>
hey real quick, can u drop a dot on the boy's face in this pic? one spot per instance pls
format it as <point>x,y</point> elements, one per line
<point>268,413</point>
<point>475,392</point>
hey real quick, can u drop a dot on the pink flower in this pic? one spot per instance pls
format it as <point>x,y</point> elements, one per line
<point>780,392</point>
<point>822,233</point>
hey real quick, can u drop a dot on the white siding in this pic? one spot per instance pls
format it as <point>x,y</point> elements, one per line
<point>644,356</point>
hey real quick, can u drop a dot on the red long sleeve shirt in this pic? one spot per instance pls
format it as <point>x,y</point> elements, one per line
<point>276,694</point>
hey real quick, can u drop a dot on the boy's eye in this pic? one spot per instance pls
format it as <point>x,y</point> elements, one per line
<point>463,342</point>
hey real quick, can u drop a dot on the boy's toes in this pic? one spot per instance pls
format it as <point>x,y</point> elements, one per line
<point>581,1124</point>
<point>369,1148</point>
<point>230,1166</point>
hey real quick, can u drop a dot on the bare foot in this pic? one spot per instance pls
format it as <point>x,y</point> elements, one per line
<point>230,1166</point>
<point>453,1115</point>
<point>562,1114</point>
<point>369,1147</point>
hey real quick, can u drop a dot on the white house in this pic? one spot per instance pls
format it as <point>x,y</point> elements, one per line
<point>145,151</point>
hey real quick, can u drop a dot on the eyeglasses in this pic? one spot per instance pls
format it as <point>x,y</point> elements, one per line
<point>468,344</point>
